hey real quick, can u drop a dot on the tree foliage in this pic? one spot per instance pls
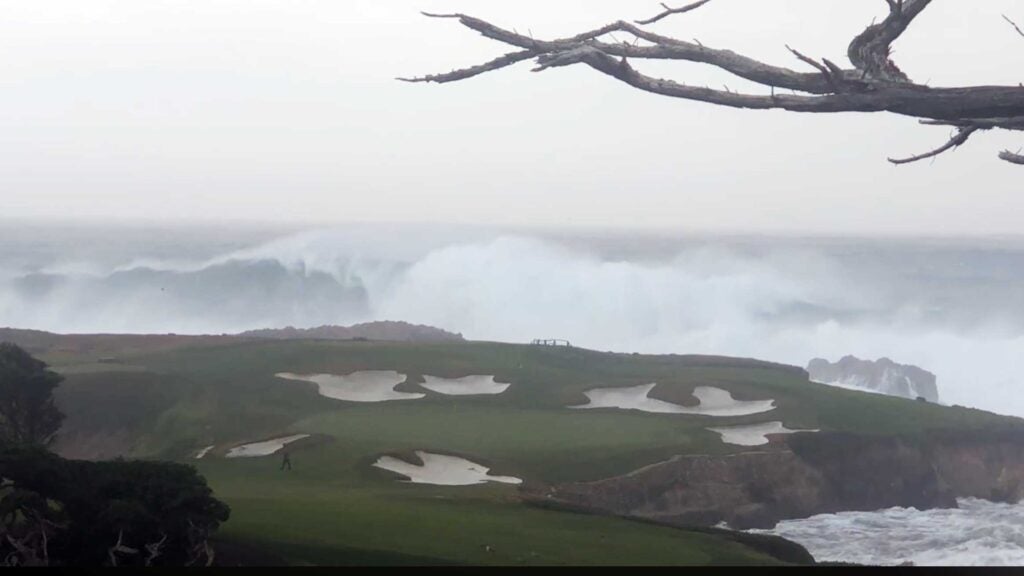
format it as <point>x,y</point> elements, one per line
<point>122,513</point>
<point>28,414</point>
<point>64,512</point>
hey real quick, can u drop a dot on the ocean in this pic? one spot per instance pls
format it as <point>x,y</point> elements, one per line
<point>954,307</point>
<point>978,533</point>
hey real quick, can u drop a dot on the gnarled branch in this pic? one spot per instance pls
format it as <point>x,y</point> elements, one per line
<point>870,50</point>
<point>873,84</point>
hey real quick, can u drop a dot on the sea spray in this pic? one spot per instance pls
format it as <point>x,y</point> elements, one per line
<point>979,533</point>
<point>951,309</point>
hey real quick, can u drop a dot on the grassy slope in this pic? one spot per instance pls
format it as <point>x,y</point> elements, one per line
<point>332,509</point>
<point>336,508</point>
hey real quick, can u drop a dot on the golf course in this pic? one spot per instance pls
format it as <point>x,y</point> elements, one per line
<point>515,416</point>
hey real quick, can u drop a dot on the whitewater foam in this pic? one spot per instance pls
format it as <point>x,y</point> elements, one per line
<point>777,301</point>
<point>979,533</point>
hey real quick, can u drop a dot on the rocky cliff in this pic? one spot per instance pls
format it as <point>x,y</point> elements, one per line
<point>807,475</point>
<point>883,376</point>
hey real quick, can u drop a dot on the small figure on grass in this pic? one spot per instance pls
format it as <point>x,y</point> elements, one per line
<point>286,460</point>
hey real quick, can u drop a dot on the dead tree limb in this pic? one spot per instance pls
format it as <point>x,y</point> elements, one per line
<point>155,549</point>
<point>670,11</point>
<point>119,548</point>
<point>1012,157</point>
<point>961,136</point>
<point>1014,24</point>
<point>873,83</point>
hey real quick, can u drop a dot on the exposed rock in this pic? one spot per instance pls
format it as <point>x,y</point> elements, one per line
<point>884,376</point>
<point>390,331</point>
<point>806,476</point>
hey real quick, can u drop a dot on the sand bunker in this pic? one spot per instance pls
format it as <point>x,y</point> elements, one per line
<point>265,448</point>
<point>204,452</point>
<point>466,386</point>
<point>713,402</point>
<point>442,470</point>
<point>753,434</point>
<point>373,386</point>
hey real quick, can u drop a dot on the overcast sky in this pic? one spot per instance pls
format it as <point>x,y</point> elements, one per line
<point>288,110</point>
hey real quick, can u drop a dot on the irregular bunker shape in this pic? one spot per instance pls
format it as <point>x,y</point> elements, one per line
<point>369,386</point>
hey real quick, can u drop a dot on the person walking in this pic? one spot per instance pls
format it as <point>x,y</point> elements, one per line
<point>286,461</point>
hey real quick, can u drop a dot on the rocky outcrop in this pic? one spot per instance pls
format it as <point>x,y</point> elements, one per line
<point>390,331</point>
<point>883,376</point>
<point>808,475</point>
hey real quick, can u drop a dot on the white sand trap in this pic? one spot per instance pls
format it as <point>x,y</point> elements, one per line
<point>265,448</point>
<point>753,434</point>
<point>713,402</point>
<point>442,470</point>
<point>372,386</point>
<point>718,402</point>
<point>204,452</point>
<point>466,386</point>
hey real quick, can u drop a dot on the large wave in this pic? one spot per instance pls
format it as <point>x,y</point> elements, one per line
<point>778,301</point>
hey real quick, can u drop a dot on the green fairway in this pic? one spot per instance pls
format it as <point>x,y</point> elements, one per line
<point>333,510</point>
<point>336,508</point>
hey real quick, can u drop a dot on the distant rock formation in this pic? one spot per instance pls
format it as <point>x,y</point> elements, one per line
<point>391,331</point>
<point>883,376</point>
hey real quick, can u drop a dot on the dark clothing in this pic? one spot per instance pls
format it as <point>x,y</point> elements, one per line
<point>286,462</point>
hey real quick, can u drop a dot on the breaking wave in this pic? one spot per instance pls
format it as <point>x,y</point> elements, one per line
<point>979,533</point>
<point>780,301</point>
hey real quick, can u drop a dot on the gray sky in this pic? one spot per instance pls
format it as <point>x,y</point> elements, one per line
<point>287,110</point>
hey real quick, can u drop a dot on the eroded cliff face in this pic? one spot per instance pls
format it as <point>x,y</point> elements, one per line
<point>979,467</point>
<point>806,475</point>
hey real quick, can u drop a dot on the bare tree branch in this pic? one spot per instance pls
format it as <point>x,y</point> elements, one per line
<point>938,104</point>
<point>199,545</point>
<point>664,48</point>
<point>154,550</point>
<point>1012,157</point>
<point>119,547</point>
<point>670,11</point>
<point>961,136</point>
<point>870,50</point>
<point>874,84</point>
<point>820,67</point>
<point>1015,123</point>
<point>1014,24</point>
<point>455,75</point>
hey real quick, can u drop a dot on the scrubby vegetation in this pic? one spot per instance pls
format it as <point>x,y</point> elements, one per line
<point>62,512</point>
<point>59,512</point>
<point>28,415</point>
